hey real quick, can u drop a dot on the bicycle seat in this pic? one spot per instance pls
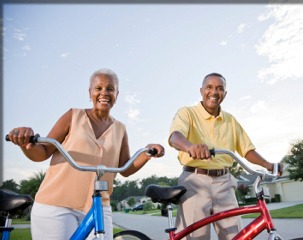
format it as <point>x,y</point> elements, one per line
<point>11,201</point>
<point>165,195</point>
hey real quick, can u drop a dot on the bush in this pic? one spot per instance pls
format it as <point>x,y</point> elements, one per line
<point>148,206</point>
<point>250,200</point>
<point>278,197</point>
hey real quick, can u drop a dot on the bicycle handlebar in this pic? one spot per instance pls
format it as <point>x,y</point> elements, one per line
<point>260,173</point>
<point>99,169</point>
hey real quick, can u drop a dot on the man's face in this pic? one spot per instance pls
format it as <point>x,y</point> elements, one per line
<point>213,93</point>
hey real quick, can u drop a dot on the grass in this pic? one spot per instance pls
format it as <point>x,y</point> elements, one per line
<point>21,234</point>
<point>25,234</point>
<point>288,212</point>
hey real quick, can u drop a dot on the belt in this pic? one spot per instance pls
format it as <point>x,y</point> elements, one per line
<point>209,172</point>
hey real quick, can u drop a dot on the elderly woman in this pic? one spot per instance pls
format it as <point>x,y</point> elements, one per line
<point>91,137</point>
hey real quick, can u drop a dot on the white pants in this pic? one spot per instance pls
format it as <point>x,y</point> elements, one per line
<point>59,223</point>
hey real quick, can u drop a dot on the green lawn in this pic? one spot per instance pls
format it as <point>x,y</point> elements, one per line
<point>289,212</point>
<point>24,234</point>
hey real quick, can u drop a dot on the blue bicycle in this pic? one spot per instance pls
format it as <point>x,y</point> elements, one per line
<point>94,218</point>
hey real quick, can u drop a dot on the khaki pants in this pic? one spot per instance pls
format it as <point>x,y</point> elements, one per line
<point>206,196</point>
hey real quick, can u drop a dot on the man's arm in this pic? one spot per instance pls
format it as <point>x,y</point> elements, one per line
<point>255,158</point>
<point>196,151</point>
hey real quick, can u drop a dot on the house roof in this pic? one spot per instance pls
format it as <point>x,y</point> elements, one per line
<point>137,198</point>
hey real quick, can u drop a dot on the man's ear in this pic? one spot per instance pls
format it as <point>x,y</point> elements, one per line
<point>225,94</point>
<point>201,91</point>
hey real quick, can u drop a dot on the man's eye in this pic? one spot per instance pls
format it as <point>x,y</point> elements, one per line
<point>221,89</point>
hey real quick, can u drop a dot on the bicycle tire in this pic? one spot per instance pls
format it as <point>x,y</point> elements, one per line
<point>130,235</point>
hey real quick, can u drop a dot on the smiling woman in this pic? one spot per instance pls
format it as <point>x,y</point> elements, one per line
<point>91,136</point>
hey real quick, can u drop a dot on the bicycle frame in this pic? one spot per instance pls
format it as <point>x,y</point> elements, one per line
<point>262,222</point>
<point>254,228</point>
<point>93,220</point>
<point>6,230</point>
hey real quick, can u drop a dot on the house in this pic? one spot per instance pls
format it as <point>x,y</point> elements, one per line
<point>282,187</point>
<point>138,200</point>
<point>122,205</point>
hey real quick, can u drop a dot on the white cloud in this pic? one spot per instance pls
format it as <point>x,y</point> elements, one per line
<point>133,114</point>
<point>245,98</point>
<point>132,99</point>
<point>241,28</point>
<point>65,55</point>
<point>258,107</point>
<point>282,43</point>
<point>19,35</point>
<point>26,48</point>
<point>223,43</point>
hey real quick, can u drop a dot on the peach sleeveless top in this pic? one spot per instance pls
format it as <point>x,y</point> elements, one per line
<point>67,187</point>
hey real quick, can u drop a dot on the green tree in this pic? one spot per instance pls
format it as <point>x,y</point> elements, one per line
<point>10,185</point>
<point>236,169</point>
<point>32,185</point>
<point>131,202</point>
<point>295,161</point>
<point>162,181</point>
<point>124,190</point>
<point>241,192</point>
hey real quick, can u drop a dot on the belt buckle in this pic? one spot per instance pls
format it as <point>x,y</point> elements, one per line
<point>219,172</point>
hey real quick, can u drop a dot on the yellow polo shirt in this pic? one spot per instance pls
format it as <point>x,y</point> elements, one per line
<point>221,132</point>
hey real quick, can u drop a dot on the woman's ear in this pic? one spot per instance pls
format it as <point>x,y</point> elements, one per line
<point>89,95</point>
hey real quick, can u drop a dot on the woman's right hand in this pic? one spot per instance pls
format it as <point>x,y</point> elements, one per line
<point>21,136</point>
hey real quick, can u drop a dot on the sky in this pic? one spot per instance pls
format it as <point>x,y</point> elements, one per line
<point>160,52</point>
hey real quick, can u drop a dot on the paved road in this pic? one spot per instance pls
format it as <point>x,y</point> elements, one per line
<point>153,226</point>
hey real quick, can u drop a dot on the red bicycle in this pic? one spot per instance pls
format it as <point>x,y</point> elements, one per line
<point>172,195</point>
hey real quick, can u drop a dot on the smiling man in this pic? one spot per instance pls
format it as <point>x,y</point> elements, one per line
<point>210,187</point>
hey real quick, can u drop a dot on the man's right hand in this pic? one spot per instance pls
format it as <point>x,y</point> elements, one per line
<point>199,151</point>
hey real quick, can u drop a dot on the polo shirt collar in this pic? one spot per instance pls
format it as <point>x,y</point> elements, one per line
<point>207,115</point>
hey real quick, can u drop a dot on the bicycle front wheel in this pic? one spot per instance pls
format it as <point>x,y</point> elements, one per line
<point>130,235</point>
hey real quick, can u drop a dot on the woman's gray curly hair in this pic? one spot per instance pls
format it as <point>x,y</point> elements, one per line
<point>105,71</point>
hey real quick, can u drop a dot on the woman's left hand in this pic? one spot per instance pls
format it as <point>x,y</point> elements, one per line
<point>160,149</point>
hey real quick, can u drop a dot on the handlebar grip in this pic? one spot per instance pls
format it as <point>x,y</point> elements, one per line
<point>33,139</point>
<point>152,151</point>
<point>276,169</point>
<point>7,138</point>
<point>212,152</point>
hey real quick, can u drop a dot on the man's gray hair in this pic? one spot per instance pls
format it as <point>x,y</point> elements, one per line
<point>105,71</point>
<point>214,74</point>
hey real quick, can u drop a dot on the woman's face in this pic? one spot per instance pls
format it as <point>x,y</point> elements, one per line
<point>103,92</point>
